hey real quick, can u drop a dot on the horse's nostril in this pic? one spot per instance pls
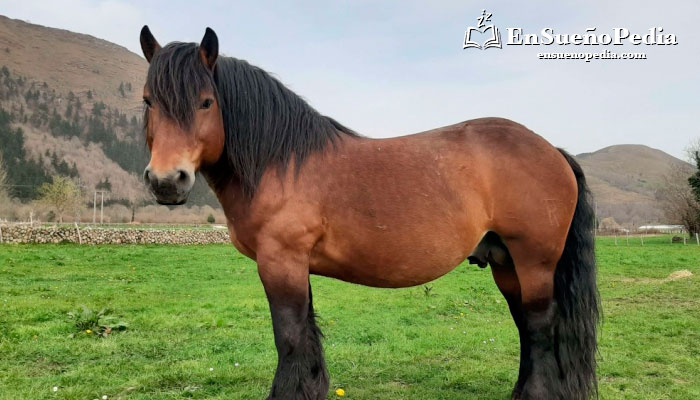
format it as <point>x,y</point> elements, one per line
<point>181,176</point>
<point>147,176</point>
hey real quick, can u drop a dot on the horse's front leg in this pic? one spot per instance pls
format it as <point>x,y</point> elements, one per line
<point>301,370</point>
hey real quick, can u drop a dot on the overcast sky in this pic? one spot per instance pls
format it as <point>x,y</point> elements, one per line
<point>387,68</point>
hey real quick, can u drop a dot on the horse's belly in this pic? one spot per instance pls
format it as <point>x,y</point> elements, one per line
<point>388,261</point>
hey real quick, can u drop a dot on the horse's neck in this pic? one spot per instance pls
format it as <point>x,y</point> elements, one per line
<point>228,191</point>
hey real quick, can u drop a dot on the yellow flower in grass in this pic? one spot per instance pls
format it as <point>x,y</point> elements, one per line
<point>340,392</point>
<point>88,331</point>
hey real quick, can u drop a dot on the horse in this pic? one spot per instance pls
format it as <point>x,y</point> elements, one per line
<point>303,194</point>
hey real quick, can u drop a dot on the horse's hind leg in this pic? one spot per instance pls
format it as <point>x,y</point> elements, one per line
<point>507,281</point>
<point>493,251</point>
<point>301,369</point>
<point>540,375</point>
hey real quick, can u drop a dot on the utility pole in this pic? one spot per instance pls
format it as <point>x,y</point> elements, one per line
<point>102,205</point>
<point>94,206</point>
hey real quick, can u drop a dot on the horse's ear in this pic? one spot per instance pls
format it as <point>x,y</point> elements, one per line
<point>149,44</point>
<point>209,48</point>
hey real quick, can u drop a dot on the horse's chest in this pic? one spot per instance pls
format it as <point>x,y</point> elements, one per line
<point>238,244</point>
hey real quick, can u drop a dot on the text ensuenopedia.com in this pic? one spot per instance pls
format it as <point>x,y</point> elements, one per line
<point>587,57</point>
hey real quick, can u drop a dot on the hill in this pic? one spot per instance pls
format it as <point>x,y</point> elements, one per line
<point>70,104</point>
<point>69,61</point>
<point>626,180</point>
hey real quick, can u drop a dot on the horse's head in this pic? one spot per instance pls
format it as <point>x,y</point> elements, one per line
<point>184,126</point>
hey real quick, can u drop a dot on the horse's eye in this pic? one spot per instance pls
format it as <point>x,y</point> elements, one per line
<point>207,103</point>
<point>147,102</point>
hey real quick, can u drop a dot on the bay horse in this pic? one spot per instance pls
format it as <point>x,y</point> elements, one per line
<point>303,194</point>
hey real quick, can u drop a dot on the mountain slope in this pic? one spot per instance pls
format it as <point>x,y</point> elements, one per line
<point>626,180</point>
<point>70,61</point>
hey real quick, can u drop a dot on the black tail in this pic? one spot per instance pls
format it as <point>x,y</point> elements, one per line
<point>576,293</point>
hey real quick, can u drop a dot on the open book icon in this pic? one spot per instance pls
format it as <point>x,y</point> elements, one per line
<point>490,32</point>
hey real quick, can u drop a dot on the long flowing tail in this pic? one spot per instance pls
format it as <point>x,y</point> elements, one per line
<point>577,297</point>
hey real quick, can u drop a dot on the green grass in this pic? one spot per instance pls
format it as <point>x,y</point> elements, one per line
<point>190,309</point>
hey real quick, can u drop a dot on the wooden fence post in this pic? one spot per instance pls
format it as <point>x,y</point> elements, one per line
<point>80,239</point>
<point>697,238</point>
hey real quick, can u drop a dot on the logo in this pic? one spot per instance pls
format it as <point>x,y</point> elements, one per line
<point>490,32</point>
<point>484,36</point>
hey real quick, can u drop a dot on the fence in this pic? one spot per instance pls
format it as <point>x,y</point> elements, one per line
<point>93,235</point>
<point>624,238</point>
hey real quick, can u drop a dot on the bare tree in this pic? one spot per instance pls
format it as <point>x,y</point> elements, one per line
<point>680,205</point>
<point>692,148</point>
<point>136,200</point>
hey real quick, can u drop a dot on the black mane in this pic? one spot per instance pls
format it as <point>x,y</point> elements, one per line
<point>266,124</point>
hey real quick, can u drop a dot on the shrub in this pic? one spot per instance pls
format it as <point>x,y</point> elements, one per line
<point>211,219</point>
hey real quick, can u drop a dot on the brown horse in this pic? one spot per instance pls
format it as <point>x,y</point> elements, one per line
<point>305,195</point>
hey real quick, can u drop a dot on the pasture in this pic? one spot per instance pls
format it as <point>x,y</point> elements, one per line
<point>198,326</point>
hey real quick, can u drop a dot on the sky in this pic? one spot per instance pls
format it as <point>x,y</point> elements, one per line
<point>389,68</point>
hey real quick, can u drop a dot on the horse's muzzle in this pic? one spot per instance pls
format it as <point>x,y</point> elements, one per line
<point>170,189</point>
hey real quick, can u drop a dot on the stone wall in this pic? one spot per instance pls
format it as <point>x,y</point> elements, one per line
<point>96,235</point>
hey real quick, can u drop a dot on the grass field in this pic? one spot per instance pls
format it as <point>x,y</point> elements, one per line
<point>199,327</point>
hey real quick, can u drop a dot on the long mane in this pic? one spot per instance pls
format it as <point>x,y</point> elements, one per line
<point>266,124</point>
